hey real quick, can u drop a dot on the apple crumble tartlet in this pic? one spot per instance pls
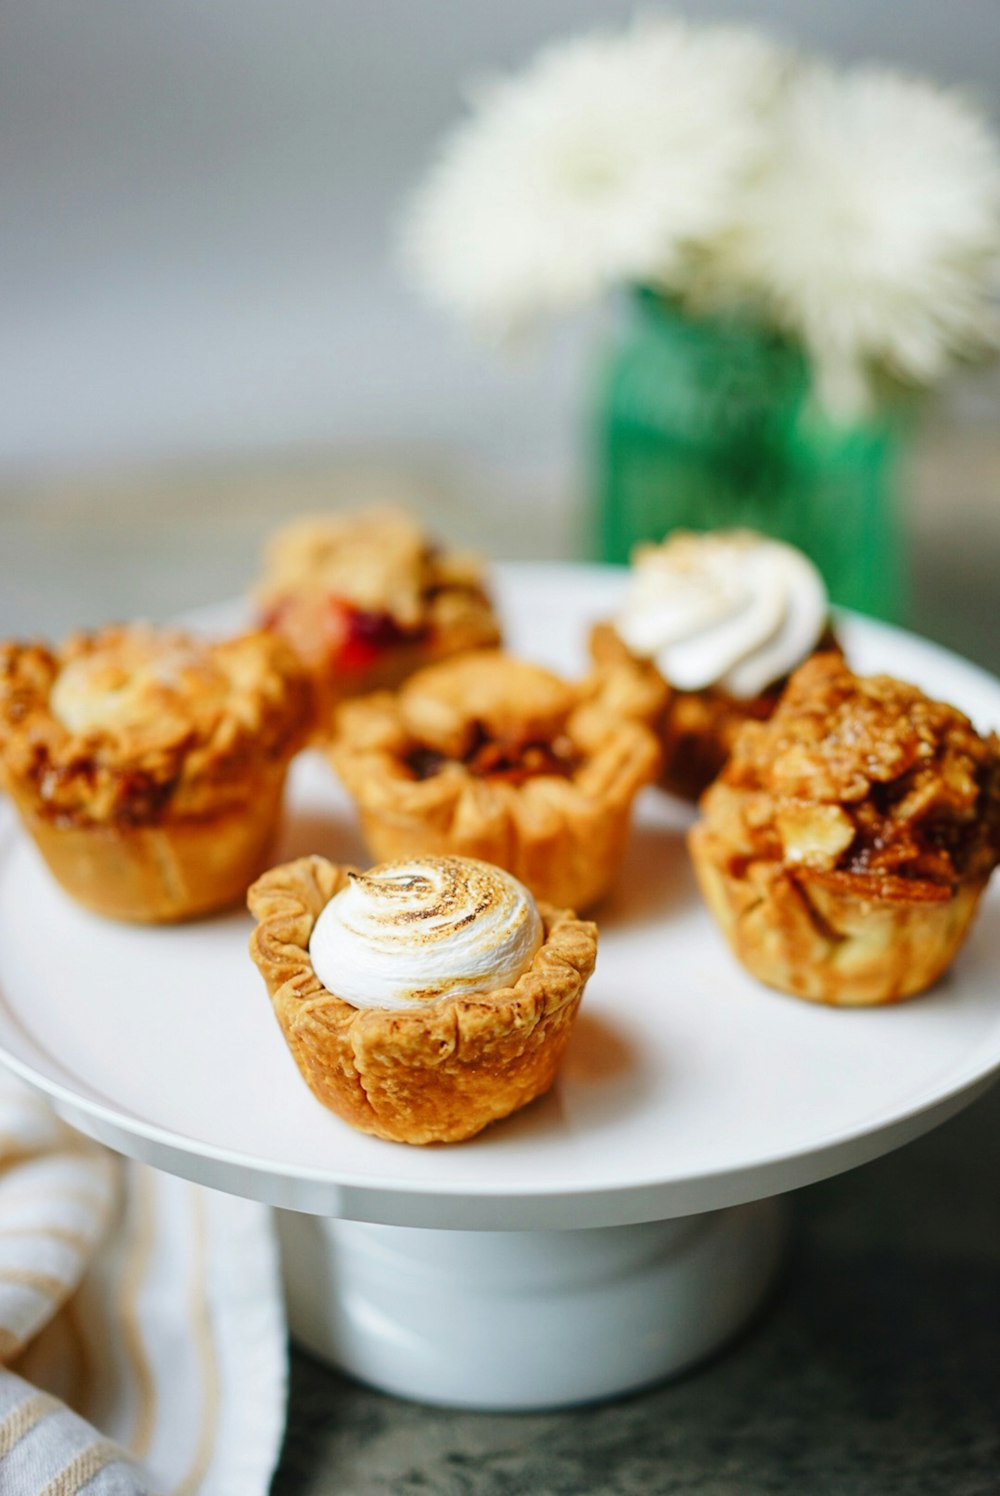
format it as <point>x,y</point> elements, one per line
<point>148,765</point>
<point>846,844</point>
<point>720,620</point>
<point>365,599</point>
<point>420,1000</point>
<point>490,757</point>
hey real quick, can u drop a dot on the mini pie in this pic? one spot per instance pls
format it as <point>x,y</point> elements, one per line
<point>490,757</point>
<point>846,844</point>
<point>696,729</point>
<point>719,620</point>
<point>440,1072</point>
<point>365,599</point>
<point>148,765</point>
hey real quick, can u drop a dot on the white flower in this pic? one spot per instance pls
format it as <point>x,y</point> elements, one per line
<point>600,164</point>
<point>872,231</point>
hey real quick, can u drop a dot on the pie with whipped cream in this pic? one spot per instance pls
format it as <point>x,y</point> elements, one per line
<point>366,598</point>
<point>846,844</point>
<point>148,764</point>
<point>721,619</point>
<point>491,757</point>
<point>421,1000</point>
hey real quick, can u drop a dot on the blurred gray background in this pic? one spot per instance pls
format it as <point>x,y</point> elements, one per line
<point>197,201</point>
<point>202,332</point>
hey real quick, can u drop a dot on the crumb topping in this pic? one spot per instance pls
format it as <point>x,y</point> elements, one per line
<point>863,776</point>
<point>350,587</point>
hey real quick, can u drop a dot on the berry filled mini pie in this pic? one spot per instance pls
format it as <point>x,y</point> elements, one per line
<point>148,765</point>
<point>420,1000</point>
<point>845,846</point>
<point>720,619</point>
<point>491,757</point>
<point>365,598</point>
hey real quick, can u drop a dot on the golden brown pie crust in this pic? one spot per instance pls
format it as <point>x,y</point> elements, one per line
<point>322,571</point>
<point>435,1075</point>
<point>148,765</point>
<point>561,833</point>
<point>846,844</point>
<point>696,729</point>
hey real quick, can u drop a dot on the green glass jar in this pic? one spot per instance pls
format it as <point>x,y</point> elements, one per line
<point>707,424</point>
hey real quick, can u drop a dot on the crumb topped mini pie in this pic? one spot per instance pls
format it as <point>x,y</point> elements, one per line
<point>421,1000</point>
<point>148,764</point>
<point>491,757</point>
<point>365,598</point>
<point>846,844</point>
<point>720,619</point>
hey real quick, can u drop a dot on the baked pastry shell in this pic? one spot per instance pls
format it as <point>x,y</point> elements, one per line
<point>456,623</point>
<point>168,870</point>
<point>696,729</point>
<point>564,836</point>
<point>455,613</point>
<point>166,818</point>
<point>839,937</point>
<point>439,1074</point>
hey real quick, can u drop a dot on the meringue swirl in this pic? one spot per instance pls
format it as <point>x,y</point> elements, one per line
<point>734,610</point>
<point>407,933</point>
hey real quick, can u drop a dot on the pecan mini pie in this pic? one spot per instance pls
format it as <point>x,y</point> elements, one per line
<point>491,757</point>
<point>421,1000</point>
<point>148,765</point>
<point>721,620</point>
<point>846,844</point>
<point>366,598</point>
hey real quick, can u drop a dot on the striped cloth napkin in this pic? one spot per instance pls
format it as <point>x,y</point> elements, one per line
<point>142,1331</point>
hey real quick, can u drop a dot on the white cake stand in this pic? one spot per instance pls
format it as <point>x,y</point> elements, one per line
<point>609,1235</point>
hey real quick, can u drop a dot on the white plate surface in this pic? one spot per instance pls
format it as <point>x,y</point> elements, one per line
<point>686,1087</point>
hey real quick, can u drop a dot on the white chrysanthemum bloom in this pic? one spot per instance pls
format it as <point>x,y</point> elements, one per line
<point>872,231</point>
<point>599,164</point>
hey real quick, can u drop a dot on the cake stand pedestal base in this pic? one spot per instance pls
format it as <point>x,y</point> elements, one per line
<point>525,1320</point>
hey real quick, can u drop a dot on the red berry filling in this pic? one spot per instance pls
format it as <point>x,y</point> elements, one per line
<point>365,636</point>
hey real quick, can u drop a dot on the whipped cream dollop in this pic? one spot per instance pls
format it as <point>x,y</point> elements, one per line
<point>732,609</point>
<point>407,933</point>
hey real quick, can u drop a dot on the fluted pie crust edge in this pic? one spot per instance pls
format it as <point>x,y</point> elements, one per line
<point>562,835</point>
<point>434,1075</point>
<point>696,729</point>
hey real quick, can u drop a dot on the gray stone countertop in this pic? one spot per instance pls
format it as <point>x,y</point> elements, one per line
<point>875,1368</point>
<point>873,1371</point>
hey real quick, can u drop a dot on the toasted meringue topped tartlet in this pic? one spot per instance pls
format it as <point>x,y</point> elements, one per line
<point>365,598</point>
<point>421,1000</point>
<point>148,764</point>
<point>492,757</point>
<point>722,619</point>
<point>845,846</point>
<point>408,933</point>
